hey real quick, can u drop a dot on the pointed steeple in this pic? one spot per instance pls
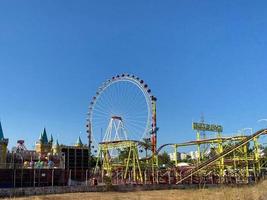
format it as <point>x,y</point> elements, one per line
<point>1,132</point>
<point>51,139</point>
<point>56,144</point>
<point>41,137</point>
<point>56,147</point>
<point>79,142</point>
<point>44,137</point>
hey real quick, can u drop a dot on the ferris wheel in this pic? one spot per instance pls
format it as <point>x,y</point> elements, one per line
<point>122,109</point>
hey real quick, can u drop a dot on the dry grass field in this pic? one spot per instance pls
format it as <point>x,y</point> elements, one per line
<point>258,192</point>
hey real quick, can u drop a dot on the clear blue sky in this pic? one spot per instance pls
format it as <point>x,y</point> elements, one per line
<point>197,56</point>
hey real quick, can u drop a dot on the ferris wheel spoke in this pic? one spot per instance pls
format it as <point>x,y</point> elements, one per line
<point>102,109</point>
<point>129,99</point>
<point>101,103</point>
<point>130,124</point>
<point>133,131</point>
<point>132,103</point>
<point>137,116</point>
<point>132,108</point>
<point>138,119</point>
<point>100,112</point>
<point>136,125</point>
<point>108,98</point>
<point>105,104</point>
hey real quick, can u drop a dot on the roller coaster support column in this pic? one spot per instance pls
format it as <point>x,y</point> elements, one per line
<point>221,165</point>
<point>175,159</point>
<point>175,155</point>
<point>256,155</point>
<point>245,149</point>
<point>235,171</point>
<point>198,149</point>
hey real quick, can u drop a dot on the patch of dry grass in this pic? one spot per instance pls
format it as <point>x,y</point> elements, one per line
<point>258,192</point>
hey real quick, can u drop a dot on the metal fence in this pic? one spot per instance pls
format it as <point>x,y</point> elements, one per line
<point>22,177</point>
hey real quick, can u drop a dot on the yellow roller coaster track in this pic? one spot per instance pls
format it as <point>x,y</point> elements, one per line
<point>223,154</point>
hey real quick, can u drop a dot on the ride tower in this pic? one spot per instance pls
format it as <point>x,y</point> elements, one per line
<point>153,138</point>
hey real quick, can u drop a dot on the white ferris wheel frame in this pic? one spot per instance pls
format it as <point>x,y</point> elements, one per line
<point>123,78</point>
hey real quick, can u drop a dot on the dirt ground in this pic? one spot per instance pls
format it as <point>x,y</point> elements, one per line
<point>258,192</point>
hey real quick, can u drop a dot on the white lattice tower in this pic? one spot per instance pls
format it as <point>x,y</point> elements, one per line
<point>115,130</point>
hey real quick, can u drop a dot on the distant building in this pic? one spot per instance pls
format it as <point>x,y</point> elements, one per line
<point>172,156</point>
<point>76,159</point>
<point>183,156</point>
<point>180,156</point>
<point>43,146</point>
<point>193,155</point>
<point>3,148</point>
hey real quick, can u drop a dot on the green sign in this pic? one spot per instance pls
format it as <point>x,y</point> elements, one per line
<point>207,127</point>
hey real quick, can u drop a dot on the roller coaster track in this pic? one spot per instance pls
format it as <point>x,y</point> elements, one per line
<point>223,154</point>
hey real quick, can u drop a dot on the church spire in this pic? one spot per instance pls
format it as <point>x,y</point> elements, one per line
<point>51,139</point>
<point>79,142</point>
<point>1,132</point>
<point>44,137</point>
<point>56,147</point>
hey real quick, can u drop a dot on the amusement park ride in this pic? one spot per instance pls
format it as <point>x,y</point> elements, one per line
<point>125,109</point>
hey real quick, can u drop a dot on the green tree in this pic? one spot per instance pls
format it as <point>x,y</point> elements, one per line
<point>164,159</point>
<point>123,154</point>
<point>146,144</point>
<point>92,162</point>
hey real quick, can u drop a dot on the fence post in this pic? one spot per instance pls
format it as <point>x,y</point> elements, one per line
<point>102,176</point>
<point>157,177</point>
<point>14,174</point>
<point>69,181</point>
<point>169,176</point>
<point>145,177</point>
<point>52,177</point>
<point>86,180</point>
<point>33,177</point>
<point>117,177</point>
<point>21,176</point>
